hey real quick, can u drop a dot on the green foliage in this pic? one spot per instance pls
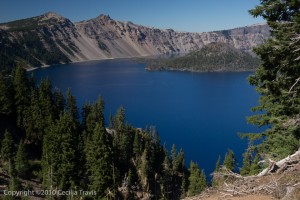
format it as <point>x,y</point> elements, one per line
<point>218,164</point>
<point>7,153</point>
<point>212,57</point>
<point>99,160</point>
<point>60,154</point>
<point>21,161</point>
<point>197,180</point>
<point>255,167</point>
<point>216,181</point>
<point>6,101</point>
<point>71,105</point>
<point>276,79</point>
<point>229,160</point>
<point>245,170</point>
<point>22,91</point>
<point>7,147</point>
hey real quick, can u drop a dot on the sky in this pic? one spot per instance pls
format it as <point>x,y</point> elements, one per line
<point>180,15</point>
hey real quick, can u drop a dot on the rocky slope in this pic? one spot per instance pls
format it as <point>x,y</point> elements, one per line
<point>51,38</point>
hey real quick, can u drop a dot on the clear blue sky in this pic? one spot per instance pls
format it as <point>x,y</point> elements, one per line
<point>180,15</point>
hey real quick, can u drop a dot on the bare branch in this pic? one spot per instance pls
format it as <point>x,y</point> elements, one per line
<point>297,80</point>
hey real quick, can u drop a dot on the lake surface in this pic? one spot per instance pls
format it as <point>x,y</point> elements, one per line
<point>199,112</point>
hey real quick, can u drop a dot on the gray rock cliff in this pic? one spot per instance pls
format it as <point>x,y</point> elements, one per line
<point>51,38</point>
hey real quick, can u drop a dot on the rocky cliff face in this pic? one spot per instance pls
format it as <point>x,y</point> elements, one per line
<point>51,38</point>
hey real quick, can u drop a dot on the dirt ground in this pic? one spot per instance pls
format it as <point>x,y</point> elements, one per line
<point>221,197</point>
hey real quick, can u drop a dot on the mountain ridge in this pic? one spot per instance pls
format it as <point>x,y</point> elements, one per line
<point>31,41</point>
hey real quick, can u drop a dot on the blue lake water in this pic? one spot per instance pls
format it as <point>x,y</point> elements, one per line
<point>199,112</point>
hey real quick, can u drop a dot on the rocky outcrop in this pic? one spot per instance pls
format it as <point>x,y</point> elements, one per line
<point>51,38</point>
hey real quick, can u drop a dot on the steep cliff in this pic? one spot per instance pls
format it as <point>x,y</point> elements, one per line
<point>51,39</point>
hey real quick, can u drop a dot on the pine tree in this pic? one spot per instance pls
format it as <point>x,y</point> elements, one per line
<point>86,110</point>
<point>99,158</point>
<point>218,164</point>
<point>255,167</point>
<point>21,162</point>
<point>174,157</point>
<point>166,178</point>
<point>216,180</point>
<point>7,152</point>
<point>22,90</point>
<point>71,105</point>
<point>51,157</point>
<point>98,149</point>
<point>196,179</point>
<point>61,155</point>
<point>46,100</point>
<point>277,78</point>
<point>93,114</point>
<point>245,170</point>
<point>119,120</point>
<point>34,129</point>
<point>136,144</point>
<point>6,100</point>
<point>59,103</point>
<point>145,170</point>
<point>69,154</point>
<point>203,182</point>
<point>229,160</point>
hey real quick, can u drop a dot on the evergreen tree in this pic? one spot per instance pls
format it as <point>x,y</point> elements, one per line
<point>197,180</point>
<point>184,185</point>
<point>99,154</point>
<point>45,95</point>
<point>245,170</point>
<point>218,164</point>
<point>203,183</point>
<point>59,103</point>
<point>145,170</point>
<point>277,78</point>
<point>166,178</point>
<point>229,160</point>
<point>216,180</point>
<point>6,100</point>
<point>136,144</point>
<point>69,154</point>
<point>99,160</point>
<point>7,147</point>
<point>255,167</point>
<point>51,157</point>
<point>92,115</point>
<point>71,105</point>
<point>119,120</point>
<point>86,110</point>
<point>34,129</point>
<point>61,155</point>
<point>21,162</point>
<point>22,89</point>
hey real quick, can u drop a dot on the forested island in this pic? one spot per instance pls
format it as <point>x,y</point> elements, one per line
<point>213,57</point>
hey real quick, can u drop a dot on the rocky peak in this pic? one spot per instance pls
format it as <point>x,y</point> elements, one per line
<point>103,17</point>
<point>52,16</point>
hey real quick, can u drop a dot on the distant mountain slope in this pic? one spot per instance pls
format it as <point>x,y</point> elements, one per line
<point>212,57</point>
<point>51,39</point>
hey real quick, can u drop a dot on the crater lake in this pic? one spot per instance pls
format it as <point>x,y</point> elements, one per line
<point>198,112</point>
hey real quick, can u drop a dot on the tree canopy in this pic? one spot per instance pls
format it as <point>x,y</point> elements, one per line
<point>277,79</point>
